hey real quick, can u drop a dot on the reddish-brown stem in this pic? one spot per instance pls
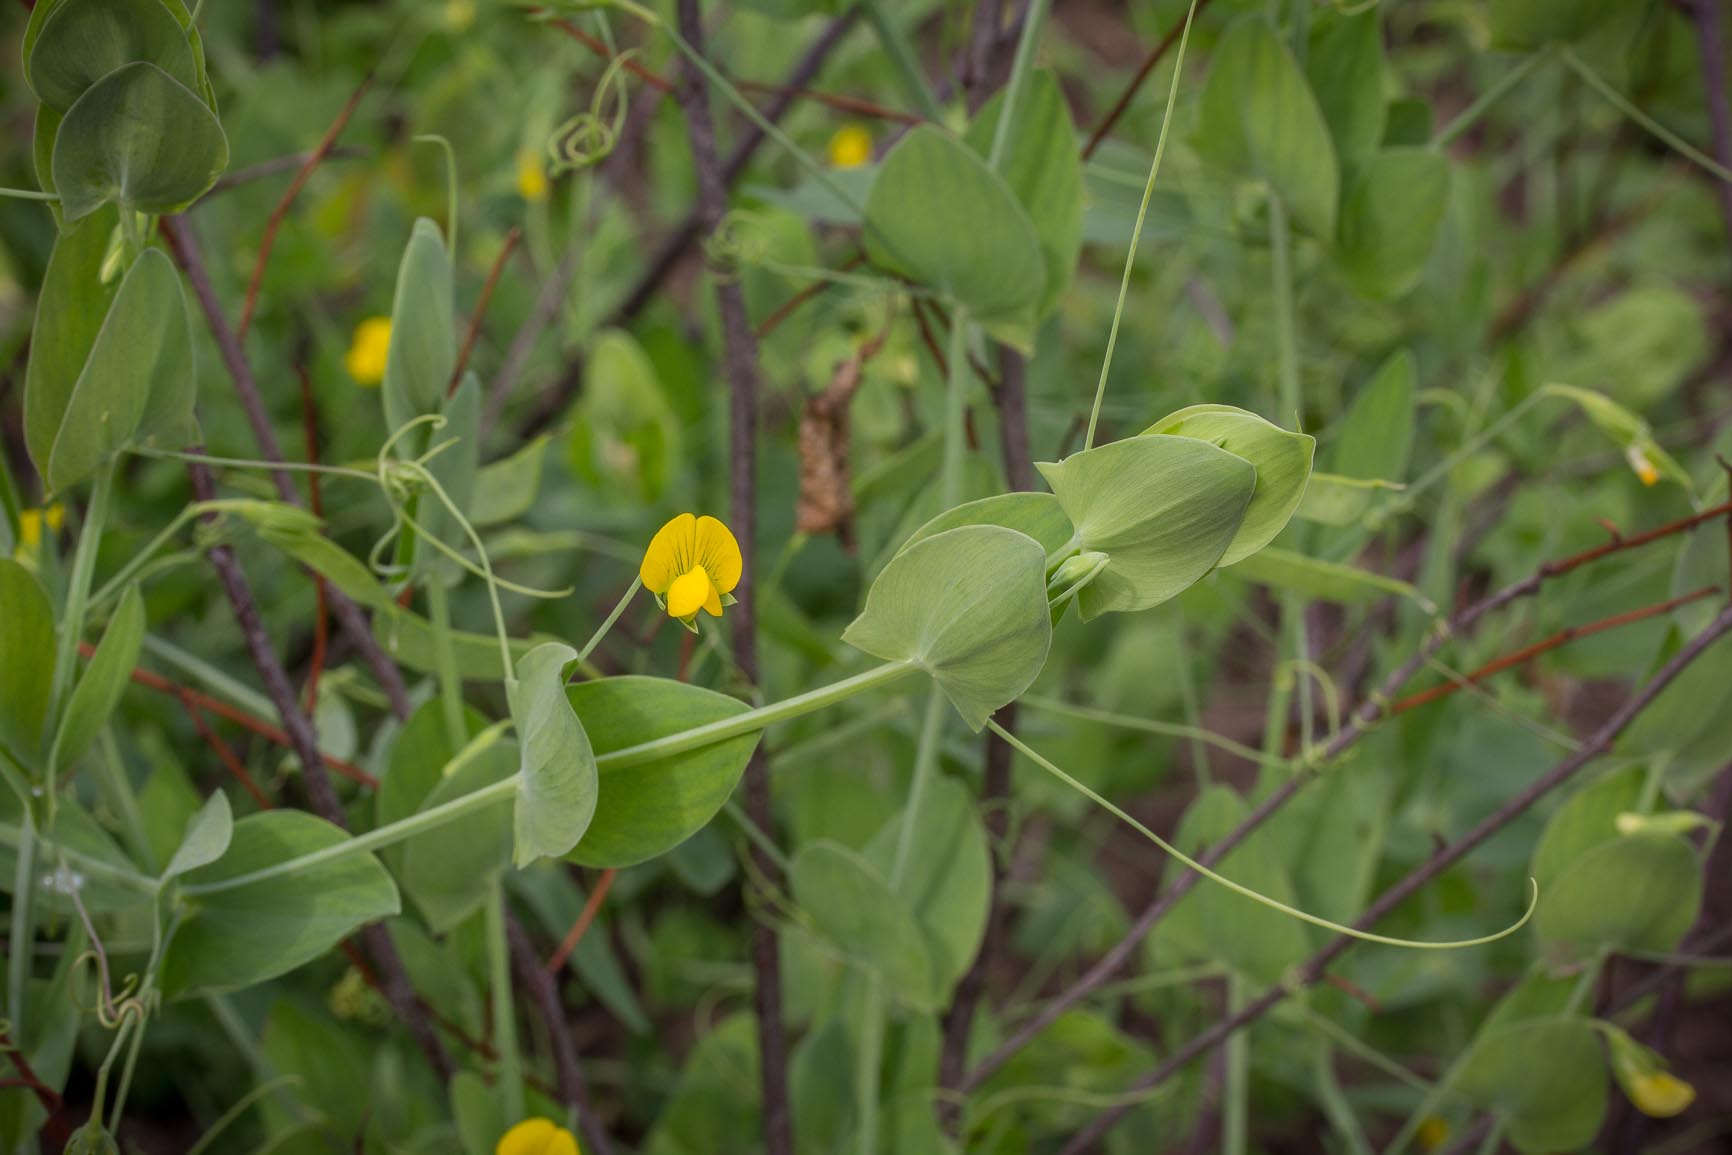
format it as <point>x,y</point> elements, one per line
<point>1561,638</point>
<point>269,239</point>
<point>222,709</point>
<point>315,499</point>
<point>475,318</point>
<point>591,908</point>
<point>1144,70</point>
<point>45,1095</point>
<point>221,749</point>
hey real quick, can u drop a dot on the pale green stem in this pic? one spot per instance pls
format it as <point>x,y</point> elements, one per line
<point>242,1106</point>
<point>748,722</point>
<point>1013,89</point>
<point>115,786</point>
<point>1286,337</point>
<point>504,1015</point>
<point>1472,114</point>
<point>1151,726</point>
<point>1137,231</point>
<point>1368,1054</point>
<point>956,409</point>
<point>22,943</point>
<point>78,587</point>
<point>871,1058</point>
<point>28,194</point>
<point>450,188</point>
<point>759,839</point>
<point>23,841</point>
<point>902,59</point>
<point>253,463</point>
<point>925,762</point>
<point>445,663</point>
<point>1236,1083</point>
<point>1333,1100</point>
<point>142,558</point>
<point>1188,700</point>
<point>126,1072</point>
<point>1240,889</point>
<point>212,678</point>
<point>602,630</point>
<point>1647,123</point>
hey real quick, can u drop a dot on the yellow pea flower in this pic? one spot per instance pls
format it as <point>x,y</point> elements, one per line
<point>1660,1094</point>
<point>1644,468</point>
<point>365,359</point>
<point>459,14</point>
<point>537,1137</point>
<point>531,176</point>
<point>850,147</point>
<point>31,523</point>
<point>1433,1132</point>
<point>692,564</point>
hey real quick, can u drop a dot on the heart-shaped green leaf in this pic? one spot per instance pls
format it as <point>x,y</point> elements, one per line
<point>26,640</point>
<point>1545,1077</point>
<point>449,872</point>
<point>423,349</point>
<point>855,908</point>
<point>138,137</point>
<point>648,808</point>
<point>207,837</point>
<point>257,931</point>
<point>138,381</point>
<point>938,216</point>
<point>1635,893</point>
<point>968,606</point>
<point>1163,509</point>
<point>1282,461</point>
<point>81,41</point>
<point>556,798</point>
<point>1043,167</point>
<point>1390,219</point>
<point>104,680</point>
<point>1260,120</point>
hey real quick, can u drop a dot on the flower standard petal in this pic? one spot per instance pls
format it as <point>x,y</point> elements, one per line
<point>689,593</point>
<point>669,554</point>
<point>719,553</point>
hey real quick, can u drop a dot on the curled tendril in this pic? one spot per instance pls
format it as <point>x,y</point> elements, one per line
<point>588,138</point>
<point>736,243</point>
<point>111,1010</point>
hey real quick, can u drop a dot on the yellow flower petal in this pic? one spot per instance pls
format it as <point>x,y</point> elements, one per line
<point>713,603</point>
<point>1433,1132</point>
<point>531,177</point>
<point>671,552</point>
<point>537,1137</point>
<point>850,147</point>
<point>1660,1094</point>
<point>691,592</point>
<point>365,359</point>
<point>719,553</point>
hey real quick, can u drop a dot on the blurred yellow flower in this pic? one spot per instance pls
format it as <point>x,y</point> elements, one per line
<point>851,147</point>
<point>32,521</point>
<point>1433,1132</point>
<point>531,176</point>
<point>1644,468</point>
<point>537,1137</point>
<point>365,359</point>
<point>459,14</point>
<point>692,563</point>
<point>1660,1094</point>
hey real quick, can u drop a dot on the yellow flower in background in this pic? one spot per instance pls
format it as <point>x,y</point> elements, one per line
<point>459,14</point>
<point>692,564</point>
<point>365,359</point>
<point>31,523</point>
<point>1645,469</point>
<point>851,147</point>
<point>537,1137</point>
<point>531,176</point>
<point>1660,1094</point>
<point>1433,1133</point>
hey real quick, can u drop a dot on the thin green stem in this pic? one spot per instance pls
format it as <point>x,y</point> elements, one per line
<point>1236,1083</point>
<point>1286,328</point>
<point>241,1107</point>
<point>28,194</point>
<point>902,59</point>
<point>22,942</point>
<point>78,587</point>
<point>1188,700</point>
<point>253,463</point>
<point>608,624</point>
<point>434,817</point>
<point>1473,113</point>
<point>445,663</point>
<point>871,1058</point>
<point>1240,889</point>
<point>1018,82</point>
<point>115,788</point>
<point>1137,231</point>
<point>925,762</point>
<point>956,409</point>
<point>1152,726</point>
<point>1647,123</point>
<point>504,1014</point>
